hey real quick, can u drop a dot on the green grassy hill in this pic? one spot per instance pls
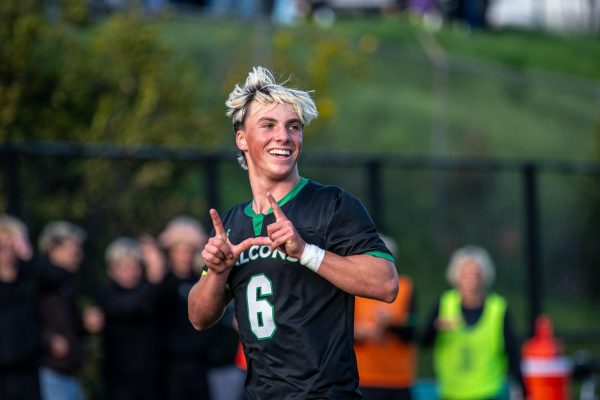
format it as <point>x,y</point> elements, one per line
<point>499,94</point>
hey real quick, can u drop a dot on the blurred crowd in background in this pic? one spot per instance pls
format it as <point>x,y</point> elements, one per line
<point>287,12</point>
<point>149,350</point>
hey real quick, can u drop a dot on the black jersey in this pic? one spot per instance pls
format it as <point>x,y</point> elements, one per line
<point>296,327</point>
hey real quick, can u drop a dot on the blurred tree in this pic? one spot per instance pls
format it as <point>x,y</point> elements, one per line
<point>109,81</point>
<point>65,76</point>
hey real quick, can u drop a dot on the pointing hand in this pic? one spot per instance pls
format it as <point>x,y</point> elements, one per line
<point>219,254</point>
<point>282,232</point>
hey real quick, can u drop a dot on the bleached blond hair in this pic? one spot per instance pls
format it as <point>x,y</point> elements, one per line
<point>477,254</point>
<point>261,87</point>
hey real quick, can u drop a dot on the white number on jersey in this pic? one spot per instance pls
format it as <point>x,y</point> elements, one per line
<point>260,310</point>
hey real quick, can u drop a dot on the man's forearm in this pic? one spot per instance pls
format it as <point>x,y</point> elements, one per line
<point>361,275</point>
<point>207,300</point>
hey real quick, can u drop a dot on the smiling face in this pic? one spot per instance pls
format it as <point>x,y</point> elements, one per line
<point>271,140</point>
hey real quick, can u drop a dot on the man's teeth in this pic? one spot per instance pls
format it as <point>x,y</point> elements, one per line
<point>280,152</point>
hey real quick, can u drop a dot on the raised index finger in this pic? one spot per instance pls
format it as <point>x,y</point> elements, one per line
<point>279,215</point>
<point>219,228</point>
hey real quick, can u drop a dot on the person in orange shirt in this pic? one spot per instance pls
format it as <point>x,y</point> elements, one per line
<point>384,343</point>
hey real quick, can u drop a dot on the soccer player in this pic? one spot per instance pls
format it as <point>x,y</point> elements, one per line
<point>292,258</point>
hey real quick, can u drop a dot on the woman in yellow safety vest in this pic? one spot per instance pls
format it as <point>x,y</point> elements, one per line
<point>471,333</point>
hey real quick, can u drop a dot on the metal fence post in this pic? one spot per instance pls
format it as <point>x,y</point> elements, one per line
<point>11,181</point>
<point>375,188</point>
<point>534,276</point>
<point>211,178</point>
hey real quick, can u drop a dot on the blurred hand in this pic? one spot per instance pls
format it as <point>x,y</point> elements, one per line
<point>153,259</point>
<point>383,318</point>
<point>446,324</point>
<point>59,346</point>
<point>22,247</point>
<point>93,319</point>
<point>369,333</point>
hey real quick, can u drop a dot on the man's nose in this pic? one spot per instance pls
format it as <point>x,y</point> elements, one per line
<point>282,133</point>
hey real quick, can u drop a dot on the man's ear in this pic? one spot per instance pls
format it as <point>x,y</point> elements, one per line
<point>240,140</point>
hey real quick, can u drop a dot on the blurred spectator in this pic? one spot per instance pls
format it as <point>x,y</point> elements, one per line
<point>129,304</point>
<point>471,332</point>
<point>63,331</point>
<point>247,9</point>
<point>384,342</point>
<point>19,319</point>
<point>225,379</point>
<point>185,350</point>
<point>473,13</point>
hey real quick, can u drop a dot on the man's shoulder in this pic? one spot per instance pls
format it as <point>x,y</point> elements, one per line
<point>317,190</point>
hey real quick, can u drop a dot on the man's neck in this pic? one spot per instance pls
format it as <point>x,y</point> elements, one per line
<point>260,188</point>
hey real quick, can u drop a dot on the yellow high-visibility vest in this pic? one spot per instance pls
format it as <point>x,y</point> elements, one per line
<point>470,361</point>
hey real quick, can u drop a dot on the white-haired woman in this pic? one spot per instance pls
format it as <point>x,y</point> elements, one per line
<point>129,306</point>
<point>474,346</point>
<point>186,352</point>
<point>61,248</point>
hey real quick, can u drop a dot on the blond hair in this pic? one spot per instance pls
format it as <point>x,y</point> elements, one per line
<point>261,87</point>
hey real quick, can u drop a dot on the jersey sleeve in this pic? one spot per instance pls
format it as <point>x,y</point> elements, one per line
<point>351,230</point>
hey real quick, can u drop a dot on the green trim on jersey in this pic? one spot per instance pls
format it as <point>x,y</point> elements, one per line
<point>257,219</point>
<point>381,254</point>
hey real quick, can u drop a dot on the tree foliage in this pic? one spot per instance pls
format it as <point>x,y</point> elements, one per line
<point>109,81</point>
<point>67,77</point>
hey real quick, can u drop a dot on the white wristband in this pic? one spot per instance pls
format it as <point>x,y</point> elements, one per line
<point>312,256</point>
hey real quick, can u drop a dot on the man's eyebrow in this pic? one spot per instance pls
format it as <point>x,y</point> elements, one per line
<point>289,121</point>
<point>267,119</point>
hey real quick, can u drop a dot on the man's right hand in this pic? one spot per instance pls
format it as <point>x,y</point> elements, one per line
<point>219,254</point>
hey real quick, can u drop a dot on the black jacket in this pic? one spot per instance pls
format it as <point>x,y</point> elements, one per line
<point>20,334</point>
<point>129,338</point>
<point>60,315</point>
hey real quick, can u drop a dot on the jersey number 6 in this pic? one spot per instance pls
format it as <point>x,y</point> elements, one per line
<point>260,311</point>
